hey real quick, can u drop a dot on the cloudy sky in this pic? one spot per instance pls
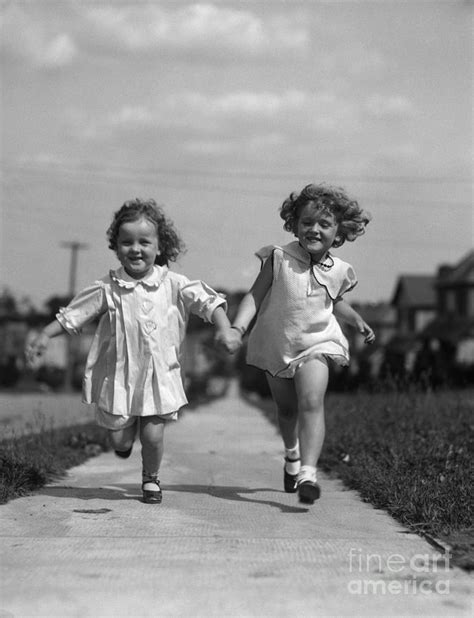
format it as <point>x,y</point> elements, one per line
<point>219,110</point>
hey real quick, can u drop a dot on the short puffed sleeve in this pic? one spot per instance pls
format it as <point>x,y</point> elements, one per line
<point>200,299</point>
<point>270,251</point>
<point>265,252</point>
<point>83,308</point>
<point>349,280</point>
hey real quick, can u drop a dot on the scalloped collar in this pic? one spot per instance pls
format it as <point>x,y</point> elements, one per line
<point>296,250</point>
<point>330,279</point>
<point>152,280</point>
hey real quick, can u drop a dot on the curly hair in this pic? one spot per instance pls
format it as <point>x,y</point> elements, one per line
<point>169,242</point>
<point>350,217</point>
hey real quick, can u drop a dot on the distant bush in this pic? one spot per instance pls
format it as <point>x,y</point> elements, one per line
<point>51,375</point>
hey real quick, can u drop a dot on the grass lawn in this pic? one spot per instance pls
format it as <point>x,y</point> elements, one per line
<point>409,454</point>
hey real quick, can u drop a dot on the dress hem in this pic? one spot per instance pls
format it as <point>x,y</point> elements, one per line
<point>289,370</point>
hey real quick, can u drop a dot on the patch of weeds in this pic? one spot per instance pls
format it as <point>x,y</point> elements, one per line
<point>30,461</point>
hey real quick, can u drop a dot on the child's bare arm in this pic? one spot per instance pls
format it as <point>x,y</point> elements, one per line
<point>232,339</point>
<point>224,335</point>
<point>343,311</point>
<point>251,302</point>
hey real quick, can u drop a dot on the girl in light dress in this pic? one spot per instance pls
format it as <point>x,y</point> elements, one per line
<point>133,371</point>
<point>296,299</point>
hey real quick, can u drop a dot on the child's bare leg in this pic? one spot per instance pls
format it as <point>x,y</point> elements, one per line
<point>122,440</point>
<point>151,438</point>
<point>284,395</point>
<point>311,381</point>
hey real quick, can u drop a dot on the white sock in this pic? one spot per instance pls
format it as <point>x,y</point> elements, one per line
<point>292,467</point>
<point>307,473</point>
<point>292,455</point>
<point>149,482</point>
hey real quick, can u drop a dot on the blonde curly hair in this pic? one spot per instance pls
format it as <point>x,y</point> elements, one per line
<point>349,216</point>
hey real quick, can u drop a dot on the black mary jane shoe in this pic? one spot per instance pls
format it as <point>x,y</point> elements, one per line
<point>289,480</point>
<point>152,496</point>
<point>308,492</point>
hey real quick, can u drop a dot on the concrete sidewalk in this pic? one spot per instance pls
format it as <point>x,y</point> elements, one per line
<point>226,541</point>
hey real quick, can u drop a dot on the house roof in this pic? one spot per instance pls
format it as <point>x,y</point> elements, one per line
<point>415,291</point>
<point>462,272</point>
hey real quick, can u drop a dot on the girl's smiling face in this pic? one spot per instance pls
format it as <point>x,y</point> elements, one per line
<point>137,247</point>
<point>316,230</point>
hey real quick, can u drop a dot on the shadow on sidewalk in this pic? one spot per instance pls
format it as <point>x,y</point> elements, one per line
<point>132,492</point>
<point>109,492</point>
<point>225,492</point>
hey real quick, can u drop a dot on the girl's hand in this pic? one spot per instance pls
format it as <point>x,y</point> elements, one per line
<point>36,349</point>
<point>230,339</point>
<point>364,329</point>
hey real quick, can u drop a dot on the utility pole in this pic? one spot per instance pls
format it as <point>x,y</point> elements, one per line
<point>75,247</point>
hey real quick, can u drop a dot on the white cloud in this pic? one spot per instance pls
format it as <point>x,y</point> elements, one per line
<point>132,116</point>
<point>198,108</point>
<point>257,104</point>
<point>244,144</point>
<point>328,111</point>
<point>193,110</point>
<point>351,61</point>
<point>207,146</point>
<point>366,62</point>
<point>206,116</point>
<point>389,105</point>
<point>39,159</point>
<point>199,27</point>
<point>41,45</point>
<point>58,52</point>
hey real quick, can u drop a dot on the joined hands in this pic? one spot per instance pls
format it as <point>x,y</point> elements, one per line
<point>230,340</point>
